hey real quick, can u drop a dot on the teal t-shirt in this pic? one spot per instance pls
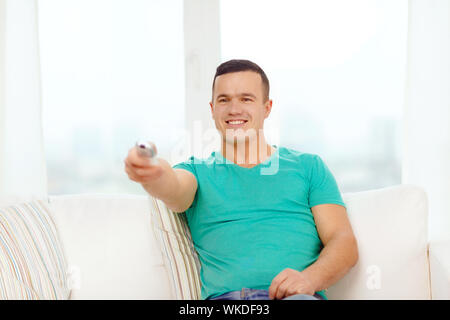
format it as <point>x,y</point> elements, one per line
<point>249,224</point>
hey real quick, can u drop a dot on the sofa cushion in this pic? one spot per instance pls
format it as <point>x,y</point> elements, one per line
<point>390,226</point>
<point>180,257</point>
<point>110,247</point>
<point>32,261</point>
<point>439,254</point>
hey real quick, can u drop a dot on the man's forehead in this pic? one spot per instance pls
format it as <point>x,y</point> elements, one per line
<point>238,83</point>
<point>240,75</point>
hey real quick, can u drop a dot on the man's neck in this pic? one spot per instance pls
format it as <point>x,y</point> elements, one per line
<point>248,154</point>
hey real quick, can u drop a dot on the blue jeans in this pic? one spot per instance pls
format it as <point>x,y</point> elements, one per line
<point>257,294</point>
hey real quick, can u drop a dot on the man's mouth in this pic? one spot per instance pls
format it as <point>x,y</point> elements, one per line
<point>236,123</point>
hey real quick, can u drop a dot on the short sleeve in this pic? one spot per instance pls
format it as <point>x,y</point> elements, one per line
<point>189,166</point>
<point>323,188</point>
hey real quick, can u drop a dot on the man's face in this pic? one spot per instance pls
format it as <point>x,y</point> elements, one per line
<point>239,96</point>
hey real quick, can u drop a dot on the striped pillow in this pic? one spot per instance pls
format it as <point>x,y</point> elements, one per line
<point>32,262</point>
<point>180,257</point>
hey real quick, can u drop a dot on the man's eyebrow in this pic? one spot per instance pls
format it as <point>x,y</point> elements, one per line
<point>244,94</point>
<point>223,95</point>
<point>247,94</point>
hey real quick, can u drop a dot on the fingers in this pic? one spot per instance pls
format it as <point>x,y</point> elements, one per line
<point>281,290</point>
<point>274,290</point>
<point>137,161</point>
<point>288,282</point>
<point>141,172</point>
<point>140,169</point>
<point>131,174</point>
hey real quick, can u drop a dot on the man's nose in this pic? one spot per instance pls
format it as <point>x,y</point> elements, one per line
<point>235,107</point>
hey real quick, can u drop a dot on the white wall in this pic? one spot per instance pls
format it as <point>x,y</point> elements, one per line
<point>426,153</point>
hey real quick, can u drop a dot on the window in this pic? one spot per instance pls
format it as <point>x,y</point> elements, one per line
<point>112,73</point>
<point>337,71</point>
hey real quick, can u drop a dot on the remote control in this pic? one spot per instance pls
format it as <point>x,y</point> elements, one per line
<point>147,149</point>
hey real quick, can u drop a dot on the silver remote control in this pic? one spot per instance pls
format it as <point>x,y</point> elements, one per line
<point>147,149</point>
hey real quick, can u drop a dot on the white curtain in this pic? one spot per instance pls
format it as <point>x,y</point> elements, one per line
<point>202,56</point>
<point>426,153</point>
<point>22,160</point>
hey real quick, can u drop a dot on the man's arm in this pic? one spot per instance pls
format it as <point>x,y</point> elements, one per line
<point>339,255</point>
<point>175,187</point>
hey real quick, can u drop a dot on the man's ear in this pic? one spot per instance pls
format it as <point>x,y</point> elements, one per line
<point>212,109</point>
<point>267,107</point>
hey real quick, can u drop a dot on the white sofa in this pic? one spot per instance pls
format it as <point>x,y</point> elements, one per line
<point>112,252</point>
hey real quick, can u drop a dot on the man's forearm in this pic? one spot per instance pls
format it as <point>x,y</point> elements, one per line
<point>166,186</point>
<point>337,257</point>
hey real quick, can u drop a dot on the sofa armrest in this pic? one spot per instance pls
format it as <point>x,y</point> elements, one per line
<point>439,255</point>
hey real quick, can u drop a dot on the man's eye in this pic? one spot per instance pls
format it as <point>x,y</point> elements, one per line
<point>247,99</point>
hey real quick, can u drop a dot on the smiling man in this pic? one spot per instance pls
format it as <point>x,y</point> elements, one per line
<point>259,234</point>
<point>239,106</point>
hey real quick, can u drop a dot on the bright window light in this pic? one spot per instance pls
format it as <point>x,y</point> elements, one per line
<point>337,72</point>
<point>112,73</point>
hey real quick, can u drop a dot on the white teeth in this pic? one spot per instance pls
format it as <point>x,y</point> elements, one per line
<point>235,122</point>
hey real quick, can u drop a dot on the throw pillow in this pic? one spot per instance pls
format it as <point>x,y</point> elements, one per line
<point>180,257</point>
<point>32,261</point>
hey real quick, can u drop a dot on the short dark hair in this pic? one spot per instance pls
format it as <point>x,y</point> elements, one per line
<point>236,65</point>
